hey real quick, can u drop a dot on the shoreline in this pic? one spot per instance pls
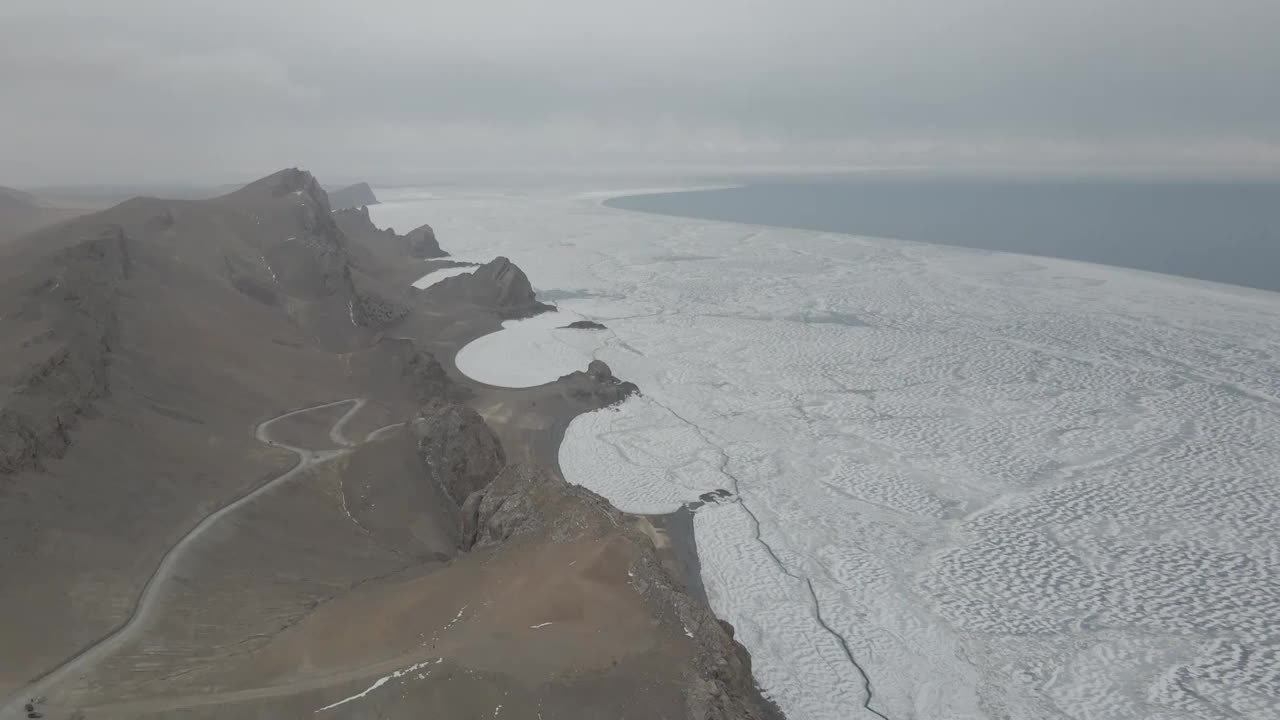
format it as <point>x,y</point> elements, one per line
<point>324,546</point>
<point>545,448</point>
<point>865,280</point>
<point>672,534</point>
<point>1203,284</point>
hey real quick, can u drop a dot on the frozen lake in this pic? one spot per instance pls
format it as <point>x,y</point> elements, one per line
<point>978,484</point>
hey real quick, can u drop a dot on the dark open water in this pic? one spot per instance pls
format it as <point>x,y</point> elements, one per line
<point>1223,231</point>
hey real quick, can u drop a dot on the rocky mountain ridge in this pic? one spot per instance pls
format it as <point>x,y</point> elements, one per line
<point>352,196</point>
<point>137,341</point>
<point>70,301</point>
<point>418,243</point>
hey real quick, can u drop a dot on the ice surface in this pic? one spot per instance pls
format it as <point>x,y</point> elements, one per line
<point>547,350</point>
<point>999,486</point>
<point>436,276</point>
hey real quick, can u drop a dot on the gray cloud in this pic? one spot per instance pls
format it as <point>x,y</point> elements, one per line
<point>144,90</point>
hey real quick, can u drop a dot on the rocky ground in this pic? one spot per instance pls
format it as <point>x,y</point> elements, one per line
<point>426,558</point>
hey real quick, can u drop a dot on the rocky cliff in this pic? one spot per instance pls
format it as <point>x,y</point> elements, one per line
<point>423,244</point>
<point>597,386</point>
<point>358,195</point>
<point>384,245</point>
<point>530,501</point>
<point>356,224</point>
<point>457,449</point>
<point>498,285</point>
<point>502,504</point>
<point>309,259</point>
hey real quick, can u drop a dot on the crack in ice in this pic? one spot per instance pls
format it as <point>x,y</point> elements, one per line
<point>759,538</point>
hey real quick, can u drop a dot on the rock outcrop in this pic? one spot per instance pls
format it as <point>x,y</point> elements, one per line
<point>423,244</point>
<point>584,325</point>
<point>598,386</point>
<point>314,264</point>
<point>358,195</point>
<point>373,245</point>
<point>37,418</point>
<point>498,284</point>
<point>525,499</point>
<point>355,223</point>
<point>371,310</point>
<point>512,289</point>
<point>392,365</point>
<point>457,448</point>
<point>723,686</point>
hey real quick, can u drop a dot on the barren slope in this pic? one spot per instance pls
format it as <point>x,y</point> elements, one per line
<point>21,213</point>
<point>143,348</point>
<point>139,346</point>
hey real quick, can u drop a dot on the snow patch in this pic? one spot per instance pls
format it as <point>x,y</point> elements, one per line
<point>436,276</point>
<point>456,618</point>
<point>377,684</point>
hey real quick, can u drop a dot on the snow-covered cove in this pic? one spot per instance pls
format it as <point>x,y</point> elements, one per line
<point>959,484</point>
<point>550,350</point>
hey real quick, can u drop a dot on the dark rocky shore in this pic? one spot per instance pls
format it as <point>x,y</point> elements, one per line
<point>584,325</point>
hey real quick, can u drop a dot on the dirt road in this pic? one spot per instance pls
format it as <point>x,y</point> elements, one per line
<point>143,610</point>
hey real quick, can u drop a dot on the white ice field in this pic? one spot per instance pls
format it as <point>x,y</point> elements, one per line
<point>979,485</point>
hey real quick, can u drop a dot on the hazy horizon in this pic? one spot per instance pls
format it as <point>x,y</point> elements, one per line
<point>146,91</point>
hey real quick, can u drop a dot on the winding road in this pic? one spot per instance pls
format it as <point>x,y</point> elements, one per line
<point>82,662</point>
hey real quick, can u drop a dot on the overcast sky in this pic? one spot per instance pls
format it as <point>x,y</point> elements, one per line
<point>174,90</point>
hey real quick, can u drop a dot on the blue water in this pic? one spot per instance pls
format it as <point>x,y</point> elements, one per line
<point>1223,231</point>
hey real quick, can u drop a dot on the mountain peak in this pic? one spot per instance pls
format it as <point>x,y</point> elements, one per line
<point>358,195</point>
<point>284,182</point>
